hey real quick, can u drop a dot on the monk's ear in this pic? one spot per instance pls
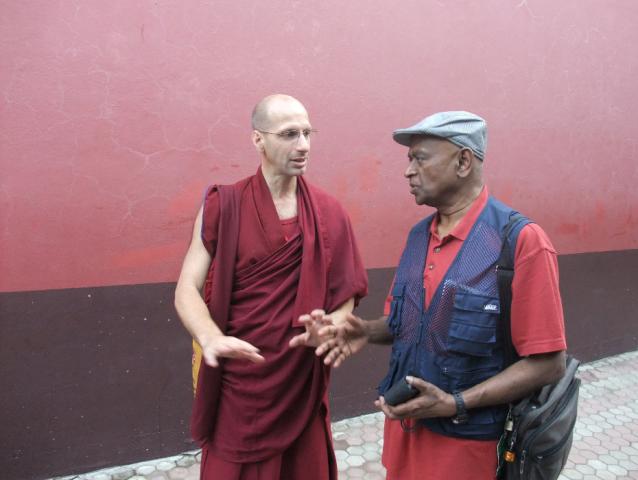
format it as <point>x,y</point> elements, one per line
<point>258,141</point>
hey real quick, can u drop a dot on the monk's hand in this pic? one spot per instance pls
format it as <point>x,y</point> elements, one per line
<point>344,338</point>
<point>219,346</point>
<point>430,402</point>
<point>314,322</point>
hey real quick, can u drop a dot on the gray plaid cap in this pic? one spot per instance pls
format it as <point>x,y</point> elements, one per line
<point>463,129</point>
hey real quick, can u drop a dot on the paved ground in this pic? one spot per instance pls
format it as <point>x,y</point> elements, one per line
<point>605,438</point>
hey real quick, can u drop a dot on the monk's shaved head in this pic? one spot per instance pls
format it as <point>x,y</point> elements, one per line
<point>270,108</point>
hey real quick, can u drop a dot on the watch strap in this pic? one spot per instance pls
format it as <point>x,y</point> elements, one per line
<point>461,412</point>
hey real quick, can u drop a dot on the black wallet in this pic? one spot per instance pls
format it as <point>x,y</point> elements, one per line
<point>400,392</point>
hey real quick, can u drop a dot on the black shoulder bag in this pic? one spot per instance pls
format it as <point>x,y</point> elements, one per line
<point>539,428</point>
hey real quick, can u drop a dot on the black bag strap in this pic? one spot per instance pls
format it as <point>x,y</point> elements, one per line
<point>505,276</point>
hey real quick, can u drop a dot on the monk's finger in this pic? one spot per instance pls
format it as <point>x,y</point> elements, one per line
<point>253,357</point>
<point>317,314</point>
<point>211,359</point>
<point>305,319</point>
<point>240,344</point>
<point>327,320</point>
<point>327,331</point>
<point>241,353</point>
<point>231,345</point>
<point>244,352</point>
<point>245,355</point>
<point>299,340</point>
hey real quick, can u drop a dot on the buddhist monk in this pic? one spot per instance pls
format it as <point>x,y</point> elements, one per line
<point>265,252</point>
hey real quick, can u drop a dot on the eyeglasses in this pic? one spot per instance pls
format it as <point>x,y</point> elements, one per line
<point>292,134</point>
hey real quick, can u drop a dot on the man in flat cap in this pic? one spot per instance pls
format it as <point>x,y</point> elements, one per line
<point>442,314</point>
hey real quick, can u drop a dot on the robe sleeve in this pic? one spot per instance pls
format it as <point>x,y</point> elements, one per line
<point>210,220</point>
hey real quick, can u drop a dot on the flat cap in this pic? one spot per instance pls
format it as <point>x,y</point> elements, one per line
<point>463,129</point>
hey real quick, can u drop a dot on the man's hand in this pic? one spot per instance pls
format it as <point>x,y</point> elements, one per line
<point>429,403</point>
<point>338,335</point>
<point>228,347</point>
<point>345,339</point>
<point>316,333</point>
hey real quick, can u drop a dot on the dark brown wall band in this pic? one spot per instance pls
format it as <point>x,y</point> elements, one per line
<point>94,377</point>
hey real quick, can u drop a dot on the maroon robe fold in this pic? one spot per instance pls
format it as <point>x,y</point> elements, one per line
<point>248,412</point>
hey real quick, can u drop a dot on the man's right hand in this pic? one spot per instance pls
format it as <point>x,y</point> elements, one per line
<point>219,346</point>
<point>347,338</point>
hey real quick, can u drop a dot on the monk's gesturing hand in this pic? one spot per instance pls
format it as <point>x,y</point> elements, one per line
<point>229,347</point>
<point>315,333</point>
<point>343,339</point>
<point>430,402</point>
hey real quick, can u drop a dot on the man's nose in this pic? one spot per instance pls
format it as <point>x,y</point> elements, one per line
<point>303,142</point>
<point>409,171</point>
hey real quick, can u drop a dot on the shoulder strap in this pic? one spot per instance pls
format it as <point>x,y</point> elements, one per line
<point>505,276</point>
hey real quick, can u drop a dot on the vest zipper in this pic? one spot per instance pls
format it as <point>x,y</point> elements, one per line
<point>418,349</point>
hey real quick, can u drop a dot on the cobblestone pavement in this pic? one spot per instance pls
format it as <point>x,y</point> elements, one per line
<point>605,438</point>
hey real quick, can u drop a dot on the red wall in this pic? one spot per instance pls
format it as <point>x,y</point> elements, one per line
<point>115,115</point>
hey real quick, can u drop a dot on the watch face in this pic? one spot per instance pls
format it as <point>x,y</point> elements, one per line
<point>460,419</point>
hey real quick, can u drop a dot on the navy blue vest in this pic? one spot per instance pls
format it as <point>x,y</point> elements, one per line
<point>457,342</point>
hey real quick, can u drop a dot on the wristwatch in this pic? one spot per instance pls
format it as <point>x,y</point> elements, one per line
<point>461,416</point>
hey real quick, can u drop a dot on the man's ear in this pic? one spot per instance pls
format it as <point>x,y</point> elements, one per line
<point>465,162</point>
<point>258,141</point>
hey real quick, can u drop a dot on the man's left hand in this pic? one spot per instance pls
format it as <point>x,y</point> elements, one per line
<point>430,402</point>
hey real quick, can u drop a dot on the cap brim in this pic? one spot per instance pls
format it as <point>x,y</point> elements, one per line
<point>404,136</point>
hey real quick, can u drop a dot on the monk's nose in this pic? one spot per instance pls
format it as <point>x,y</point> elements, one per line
<point>303,142</point>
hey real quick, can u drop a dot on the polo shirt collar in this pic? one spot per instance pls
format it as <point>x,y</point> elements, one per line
<point>462,230</point>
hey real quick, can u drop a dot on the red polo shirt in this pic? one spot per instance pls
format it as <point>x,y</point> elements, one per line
<point>537,327</point>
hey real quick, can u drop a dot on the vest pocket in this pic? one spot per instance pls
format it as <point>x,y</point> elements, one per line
<point>473,325</point>
<point>455,380</point>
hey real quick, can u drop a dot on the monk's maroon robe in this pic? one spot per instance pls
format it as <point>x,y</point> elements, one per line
<point>247,412</point>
